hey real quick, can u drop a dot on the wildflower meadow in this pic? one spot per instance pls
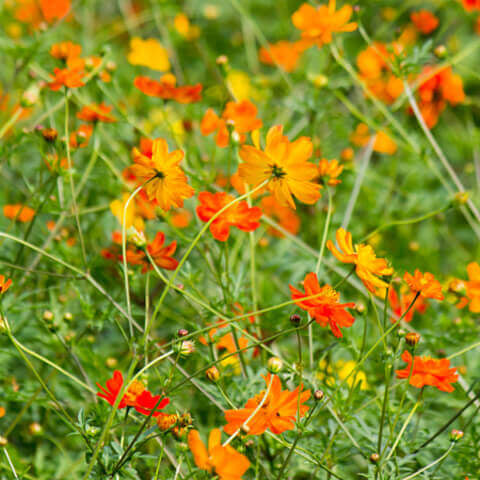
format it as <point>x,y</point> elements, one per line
<point>239,240</point>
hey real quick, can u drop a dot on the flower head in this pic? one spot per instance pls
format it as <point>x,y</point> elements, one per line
<point>382,144</point>
<point>424,284</point>
<point>324,307</point>
<point>96,113</point>
<point>472,288</point>
<point>428,371</point>
<point>283,215</point>
<point>166,89</point>
<point>329,171</point>
<point>226,462</point>
<point>163,255</point>
<point>4,284</point>
<point>148,53</point>
<point>19,212</point>
<point>66,77</point>
<point>163,178</point>
<point>367,266</point>
<point>284,165</point>
<point>277,413</point>
<point>283,54</point>
<point>318,24</point>
<point>400,303</point>
<point>238,215</point>
<point>425,21</point>
<point>65,50</point>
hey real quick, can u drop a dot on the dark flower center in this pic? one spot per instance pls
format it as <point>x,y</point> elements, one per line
<point>277,171</point>
<point>159,174</point>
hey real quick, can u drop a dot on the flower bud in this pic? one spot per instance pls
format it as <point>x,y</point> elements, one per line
<point>440,51</point>
<point>67,316</point>
<point>3,441</point>
<point>111,362</point>
<point>318,395</point>
<point>460,199</point>
<point>136,237</point>
<point>245,429</point>
<point>274,364</point>
<point>374,458</point>
<point>182,332</point>
<point>222,60</point>
<point>360,308</point>
<point>166,421</point>
<point>49,134</point>
<point>412,338</point>
<point>295,319</point>
<point>213,374</point>
<point>456,435</point>
<point>35,428</point>
<point>30,96</point>
<point>47,315</point>
<point>185,348</point>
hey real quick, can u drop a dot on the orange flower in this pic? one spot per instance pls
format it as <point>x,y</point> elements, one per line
<point>66,77</point>
<point>373,64</point>
<point>226,462</point>
<point>181,218</point>
<point>285,165</point>
<point>278,412</point>
<point>162,255</point>
<point>318,24</point>
<point>368,267</point>
<point>167,90</point>
<point>399,305</point>
<point>425,21</point>
<point>136,396</point>
<point>211,123</point>
<point>4,284</point>
<point>19,212</point>
<point>435,90</point>
<point>283,54</point>
<point>324,308</point>
<point>164,179</point>
<point>239,215</point>
<point>428,371</point>
<point>284,216</point>
<point>35,12</point>
<point>471,5</point>
<point>329,170</point>
<point>472,288</point>
<point>424,284</point>
<point>81,137</point>
<point>65,50</point>
<point>54,9</point>
<point>96,113</point>
<point>383,143</point>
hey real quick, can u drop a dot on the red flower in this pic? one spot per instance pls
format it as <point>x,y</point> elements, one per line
<point>324,308</point>
<point>166,89</point>
<point>428,371</point>
<point>114,385</point>
<point>400,303</point>
<point>239,215</point>
<point>425,284</point>
<point>66,77</point>
<point>146,402</point>
<point>96,113</point>
<point>162,255</point>
<point>4,285</point>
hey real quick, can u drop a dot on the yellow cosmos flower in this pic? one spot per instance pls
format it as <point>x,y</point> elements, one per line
<point>148,53</point>
<point>132,217</point>
<point>285,165</point>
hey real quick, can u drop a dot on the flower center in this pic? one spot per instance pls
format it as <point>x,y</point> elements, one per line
<point>277,171</point>
<point>159,174</point>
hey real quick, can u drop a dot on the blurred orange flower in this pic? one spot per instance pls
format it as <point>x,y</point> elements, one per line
<point>4,284</point>
<point>277,413</point>
<point>19,212</point>
<point>211,123</point>
<point>471,5</point>
<point>283,54</point>
<point>66,77</point>
<point>81,137</point>
<point>424,284</point>
<point>284,165</point>
<point>283,215</point>
<point>428,371</point>
<point>325,307</point>
<point>34,12</point>
<point>65,50</point>
<point>149,53</point>
<point>162,255</point>
<point>368,267</point>
<point>226,462</point>
<point>96,113</point>
<point>400,303</point>
<point>383,143</point>
<point>161,175</point>
<point>472,288</point>
<point>166,89</point>
<point>318,24</point>
<point>239,215</point>
<point>425,21</point>
<point>329,171</point>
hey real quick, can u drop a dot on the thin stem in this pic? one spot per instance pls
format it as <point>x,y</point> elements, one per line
<point>430,465</point>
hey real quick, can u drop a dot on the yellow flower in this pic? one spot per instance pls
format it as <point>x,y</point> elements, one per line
<point>285,165</point>
<point>132,218</point>
<point>344,370</point>
<point>239,84</point>
<point>185,28</point>
<point>148,53</point>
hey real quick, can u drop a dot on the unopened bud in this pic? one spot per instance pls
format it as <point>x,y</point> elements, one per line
<point>30,96</point>
<point>274,364</point>
<point>213,374</point>
<point>245,429</point>
<point>295,319</point>
<point>166,421</point>
<point>440,51</point>
<point>318,395</point>
<point>374,458</point>
<point>185,348</point>
<point>222,60</point>
<point>47,315</point>
<point>49,134</point>
<point>182,332</point>
<point>460,199</point>
<point>3,441</point>
<point>35,428</point>
<point>67,316</point>
<point>412,338</point>
<point>456,435</point>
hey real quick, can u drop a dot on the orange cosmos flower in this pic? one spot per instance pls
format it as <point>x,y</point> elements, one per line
<point>435,90</point>
<point>239,215</point>
<point>428,371</point>
<point>163,178</point>
<point>400,303</point>
<point>283,54</point>
<point>211,123</point>
<point>383,143</point>
<point>318,24</point>
<point>4,284</point>
<point>35,12</point>
<point>285,165</point>
<point>472,288</point>
<point>66,77</point>
<point>19,212</point>
<point>167,90</point>
<point>81,137</point>
<point>283,215</point>
<point>162,255</point>
<point>425,21</point>
<point>471,5</point>
<point>132,216</point>
<point>226,462</point>
<point>329,171</point>
<point>278,412</point>
<point>424,284</point>
<point>373,64</point>
<point>325,307</point>
<point>65,50</point>
<point>96,113</point>
<point>54,9</point>
<point>368,267</point>
<point>136,396</point>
